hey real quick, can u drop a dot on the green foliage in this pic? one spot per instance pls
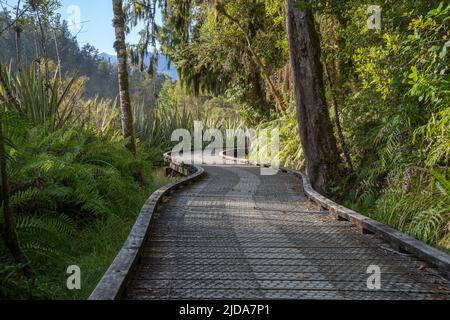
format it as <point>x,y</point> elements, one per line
<point>69,186</point>
<point>36,100</point>
<point>71,169</point>
<point>176,110</point>
<point>291,152</point>
<point>74,185</point>
<point>217,58</point>
<point>72,179</point>
<point>435,140</point>
<point>97,70</point>
<point>430,82</point>
<point>396,114</point>
<point>55,104</point>
<point>155,126</point>
<point>427,219</point>
<point>13,285</point>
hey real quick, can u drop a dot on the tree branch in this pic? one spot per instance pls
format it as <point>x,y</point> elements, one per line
<point>9,25</point>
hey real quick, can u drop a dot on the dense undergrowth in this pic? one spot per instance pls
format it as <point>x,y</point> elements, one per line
<point>75,194</point>
<point>398,124</point>
<point>76,189</point>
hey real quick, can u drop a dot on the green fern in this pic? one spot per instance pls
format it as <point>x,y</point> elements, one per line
<point>429,225</point>
<point>442,183</point>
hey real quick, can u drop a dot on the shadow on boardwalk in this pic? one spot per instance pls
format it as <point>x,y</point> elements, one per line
<point>238,235</point>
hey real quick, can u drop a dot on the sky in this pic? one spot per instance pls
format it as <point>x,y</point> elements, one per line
<point>95,19</point>
<point>90,21</point>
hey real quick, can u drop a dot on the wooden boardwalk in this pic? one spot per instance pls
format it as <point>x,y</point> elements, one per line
<point>236,234</point>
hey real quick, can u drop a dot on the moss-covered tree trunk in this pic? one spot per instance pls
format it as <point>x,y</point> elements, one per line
<point>122,66</point>
<point>18,33</point>
<point>316,131</point>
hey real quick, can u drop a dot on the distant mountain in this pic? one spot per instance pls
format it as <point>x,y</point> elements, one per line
<point>108,57</point>
<point>167,68</point>
<point>163,65</point>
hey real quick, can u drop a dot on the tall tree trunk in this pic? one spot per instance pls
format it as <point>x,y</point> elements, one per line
<point>58,56</point>
<point>18,33</point>
<point>316,132</point>
<point>36,45</point>
<point>122,65</point>
<point>287,78</point>
<point>44,47</point>
<point>9,228</point>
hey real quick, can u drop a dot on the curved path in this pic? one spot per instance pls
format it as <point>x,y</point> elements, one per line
<point>236,234</point>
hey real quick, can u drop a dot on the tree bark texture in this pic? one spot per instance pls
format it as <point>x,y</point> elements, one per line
<point>316,131</point>
<point>122,66</point>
